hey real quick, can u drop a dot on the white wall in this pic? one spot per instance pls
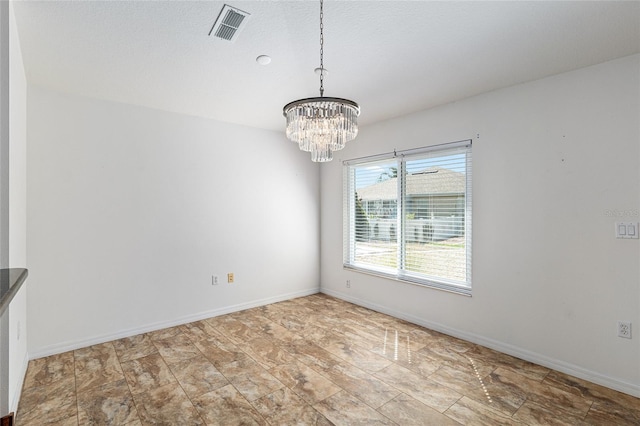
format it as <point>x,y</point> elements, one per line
<point>18,355</point>
<point>131,211</point>
<point>551,158</point>
<point>17,150</point>
<point>17,311</point>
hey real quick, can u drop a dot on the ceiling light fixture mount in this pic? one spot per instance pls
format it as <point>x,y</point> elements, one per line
<point>321,125</point>
<point>263,59</point>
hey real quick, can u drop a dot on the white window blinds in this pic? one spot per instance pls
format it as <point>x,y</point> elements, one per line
<point>407,215</point>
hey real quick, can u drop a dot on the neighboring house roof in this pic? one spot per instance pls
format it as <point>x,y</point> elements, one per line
<point>432,181</point>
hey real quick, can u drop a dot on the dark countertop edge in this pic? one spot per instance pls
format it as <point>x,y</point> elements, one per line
<point>10,282</point>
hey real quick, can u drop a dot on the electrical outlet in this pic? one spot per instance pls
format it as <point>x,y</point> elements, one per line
<point>230,277</point>
<point>214,280</point>
<point>624,329</point>
<point>348,283</point>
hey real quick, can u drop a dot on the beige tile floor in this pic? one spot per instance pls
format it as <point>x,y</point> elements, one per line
<point>309,361</point>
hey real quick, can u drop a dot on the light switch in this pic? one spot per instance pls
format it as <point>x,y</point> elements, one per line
<point>627,230</point>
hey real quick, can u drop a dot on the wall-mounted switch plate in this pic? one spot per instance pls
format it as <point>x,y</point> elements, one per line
<point>230,277</point>
<point>626,229</point>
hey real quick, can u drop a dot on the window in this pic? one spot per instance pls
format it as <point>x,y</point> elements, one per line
<point>407,215</point>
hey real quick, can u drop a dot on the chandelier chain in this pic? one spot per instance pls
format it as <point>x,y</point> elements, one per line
<point>321,50</point>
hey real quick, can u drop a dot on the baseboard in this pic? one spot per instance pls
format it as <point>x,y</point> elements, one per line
<point>536,358</point>
<point>83,343</point>
<point>13,405</point>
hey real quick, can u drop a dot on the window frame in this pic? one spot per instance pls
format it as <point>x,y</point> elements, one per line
<point>399,273</point>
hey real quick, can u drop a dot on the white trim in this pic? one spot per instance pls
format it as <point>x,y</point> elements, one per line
<point>414,151</point>
<point>434,284</point>
<point>13,405</point>
<point>83,343</point>
<point>536,358</point>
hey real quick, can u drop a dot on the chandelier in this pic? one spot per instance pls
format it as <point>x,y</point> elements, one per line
<point>321,125</point>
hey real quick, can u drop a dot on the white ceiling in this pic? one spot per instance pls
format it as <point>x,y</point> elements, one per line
<point>393,57</point>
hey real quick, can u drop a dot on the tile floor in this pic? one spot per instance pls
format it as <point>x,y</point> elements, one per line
<point>310,361</point>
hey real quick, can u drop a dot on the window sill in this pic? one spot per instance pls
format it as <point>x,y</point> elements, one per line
<point>436,285</point>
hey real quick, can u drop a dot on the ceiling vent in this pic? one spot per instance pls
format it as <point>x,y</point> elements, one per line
<point>229,23</point>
